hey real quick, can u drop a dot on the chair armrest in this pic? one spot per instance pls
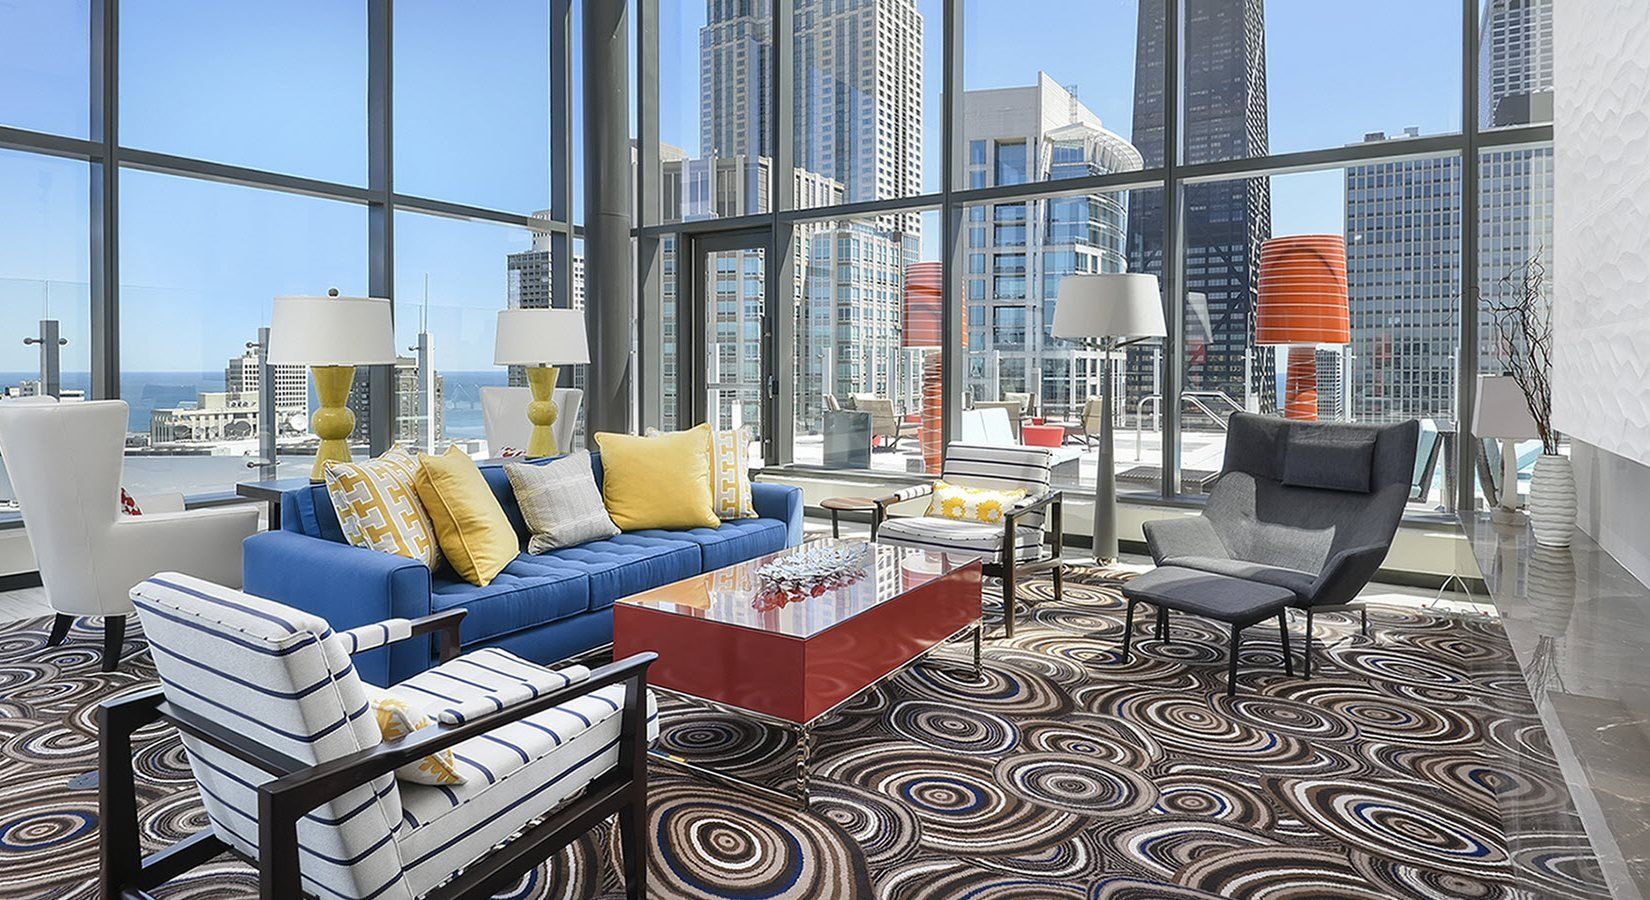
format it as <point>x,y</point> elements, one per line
<point>347,586</point>
<point>513,695</point>
<point>772,500</point>
<point>1055,518</point>
<point>1032,504</point>
<point>1183,536</point>
<point>879,505</point>
<point>443,624</point>
<point>205,543</point>
<point>1346,573</point>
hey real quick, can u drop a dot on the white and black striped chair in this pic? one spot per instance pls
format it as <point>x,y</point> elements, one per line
<point>297,780</point>
<point>1019,546</point>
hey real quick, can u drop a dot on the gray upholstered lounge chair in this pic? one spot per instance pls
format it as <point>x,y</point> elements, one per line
<point>1305,506</point>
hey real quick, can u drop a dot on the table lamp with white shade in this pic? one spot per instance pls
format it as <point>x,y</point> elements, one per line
<point>332,335</point>
<point>1502,412</point>
<point>1105,312</point>
<point>541,340</point>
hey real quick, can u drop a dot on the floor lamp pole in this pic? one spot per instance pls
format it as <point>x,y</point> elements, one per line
<point>1105,476</point>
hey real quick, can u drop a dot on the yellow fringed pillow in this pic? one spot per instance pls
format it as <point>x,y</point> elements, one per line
<point>658,482</point>
<point>470,526</point>
<point>396,719</point>
<point>966,504</point>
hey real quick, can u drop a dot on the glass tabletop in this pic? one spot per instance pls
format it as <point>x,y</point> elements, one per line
<point>851,576</point>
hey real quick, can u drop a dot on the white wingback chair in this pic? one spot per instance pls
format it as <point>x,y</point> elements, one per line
<point>504,415</point>
<point>64,463</point>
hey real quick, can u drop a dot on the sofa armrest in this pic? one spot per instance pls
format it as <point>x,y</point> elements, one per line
<point>347,586</point>
<point>780,501</point>
<point>1183,536</point>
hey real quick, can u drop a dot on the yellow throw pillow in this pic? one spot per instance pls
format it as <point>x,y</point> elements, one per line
<point>396,719</point>
<point>378,506</point>
<point>658,482</point>
<point>470,526</point>
<point>730,472</point>
<point>966,504</point>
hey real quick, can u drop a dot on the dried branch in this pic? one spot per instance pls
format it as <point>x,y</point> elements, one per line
<point>1524,339</point>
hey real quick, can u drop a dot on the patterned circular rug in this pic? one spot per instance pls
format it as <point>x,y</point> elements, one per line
<point>1061,773</point>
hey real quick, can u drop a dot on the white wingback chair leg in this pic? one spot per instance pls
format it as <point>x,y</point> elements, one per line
<point>64,463</point>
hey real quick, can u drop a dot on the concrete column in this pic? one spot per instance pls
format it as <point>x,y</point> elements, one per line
<point>609,280</point>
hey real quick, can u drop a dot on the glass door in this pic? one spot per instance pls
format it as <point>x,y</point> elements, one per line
<point>733,383</point>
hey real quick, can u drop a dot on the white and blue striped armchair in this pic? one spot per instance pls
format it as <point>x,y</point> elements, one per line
<point>1021,545</point>
<point>297,780</point>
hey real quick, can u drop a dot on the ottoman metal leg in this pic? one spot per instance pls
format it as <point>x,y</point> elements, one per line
<point>1231,674</point>
<point>1288,657</point>
<point>1128,629</point>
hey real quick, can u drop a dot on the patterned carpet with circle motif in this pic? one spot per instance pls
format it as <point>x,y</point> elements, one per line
<point>1409,765</point>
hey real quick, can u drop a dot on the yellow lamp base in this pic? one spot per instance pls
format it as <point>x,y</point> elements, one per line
<point>333,422</point>
<point>541,380</point>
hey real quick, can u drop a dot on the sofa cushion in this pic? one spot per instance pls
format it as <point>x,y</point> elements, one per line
<point>308,510</point>
<point>622,565</point>
<point>1291,579</point>
<point>736,541</point>
<point>519,597</point>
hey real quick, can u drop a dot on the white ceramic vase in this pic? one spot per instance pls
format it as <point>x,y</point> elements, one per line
<point>1553,501</point>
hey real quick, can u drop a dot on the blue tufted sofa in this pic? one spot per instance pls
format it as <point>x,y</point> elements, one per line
<point>543,608</point>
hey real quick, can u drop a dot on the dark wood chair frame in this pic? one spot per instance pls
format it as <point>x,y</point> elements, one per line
<point>299,788</point>
<point>1010,569</point>
<point>114,633</point>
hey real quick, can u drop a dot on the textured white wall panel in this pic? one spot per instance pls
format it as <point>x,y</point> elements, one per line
<point>1601,298</point>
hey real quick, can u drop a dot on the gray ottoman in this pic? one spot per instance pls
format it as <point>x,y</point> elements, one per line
<point>1236,602</point>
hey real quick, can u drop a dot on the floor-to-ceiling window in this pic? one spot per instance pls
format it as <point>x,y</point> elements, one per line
<point>1019,143</point>
<point>169,167</point>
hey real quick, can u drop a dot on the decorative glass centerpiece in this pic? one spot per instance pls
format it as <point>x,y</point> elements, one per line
<point>811,570</point>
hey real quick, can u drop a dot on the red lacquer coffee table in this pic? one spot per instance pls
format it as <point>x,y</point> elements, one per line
<point>728,642</point>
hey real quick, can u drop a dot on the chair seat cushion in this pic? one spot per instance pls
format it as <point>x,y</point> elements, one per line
<point>736,541</point>
<point>514,774</point>
<point>933,533</point>
<point>1220,597</point>
<point>1291,579</point>
<point>622,565</point>
<point>521,596</point>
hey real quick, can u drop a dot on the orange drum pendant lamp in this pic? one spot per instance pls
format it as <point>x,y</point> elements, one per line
<point>924,327</point>
<point>1303,307</point>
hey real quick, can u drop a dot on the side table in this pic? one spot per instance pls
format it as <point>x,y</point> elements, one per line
<point>269,491</point>
<point>840,505</point>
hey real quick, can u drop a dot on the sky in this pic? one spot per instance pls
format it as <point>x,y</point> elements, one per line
<point>282,87</point>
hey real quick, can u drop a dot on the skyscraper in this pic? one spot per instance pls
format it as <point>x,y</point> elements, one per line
<point>527,284</point>
<point>1019,251</point>
<point>240,376</point>
<point>858,136</point>
<point>1223,117</point>
<point>1403,272</point>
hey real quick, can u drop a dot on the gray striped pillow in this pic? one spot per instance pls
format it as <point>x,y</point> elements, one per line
<point>560,501</point>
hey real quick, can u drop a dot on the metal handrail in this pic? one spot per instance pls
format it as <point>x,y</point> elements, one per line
<point>1196,398</point>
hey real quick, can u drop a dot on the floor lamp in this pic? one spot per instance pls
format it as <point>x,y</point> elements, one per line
<point>1105,312</point>
<point>1302,305</point>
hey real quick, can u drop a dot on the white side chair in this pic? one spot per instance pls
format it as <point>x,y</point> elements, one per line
<point>504,415</point>
<point>1009,549</point>
<point>64,462</point>
<point>296,777</point>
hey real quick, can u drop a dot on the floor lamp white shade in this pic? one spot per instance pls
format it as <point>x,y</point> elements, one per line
<point>1501,411</point>
<point>1105,311</point>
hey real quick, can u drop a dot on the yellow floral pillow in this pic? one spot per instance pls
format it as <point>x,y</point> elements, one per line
<point>966,504</point>
<point>397,719</point>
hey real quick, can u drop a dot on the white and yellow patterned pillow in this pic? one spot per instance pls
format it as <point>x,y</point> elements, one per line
<point>966,504</point>
<point>397,719</point>
<point>379,509</point>
<point>730,473</point>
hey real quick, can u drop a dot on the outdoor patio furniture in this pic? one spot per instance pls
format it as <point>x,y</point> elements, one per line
<point>1013,411</point>
<point>1037,435</point>
<point>886,422</point>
